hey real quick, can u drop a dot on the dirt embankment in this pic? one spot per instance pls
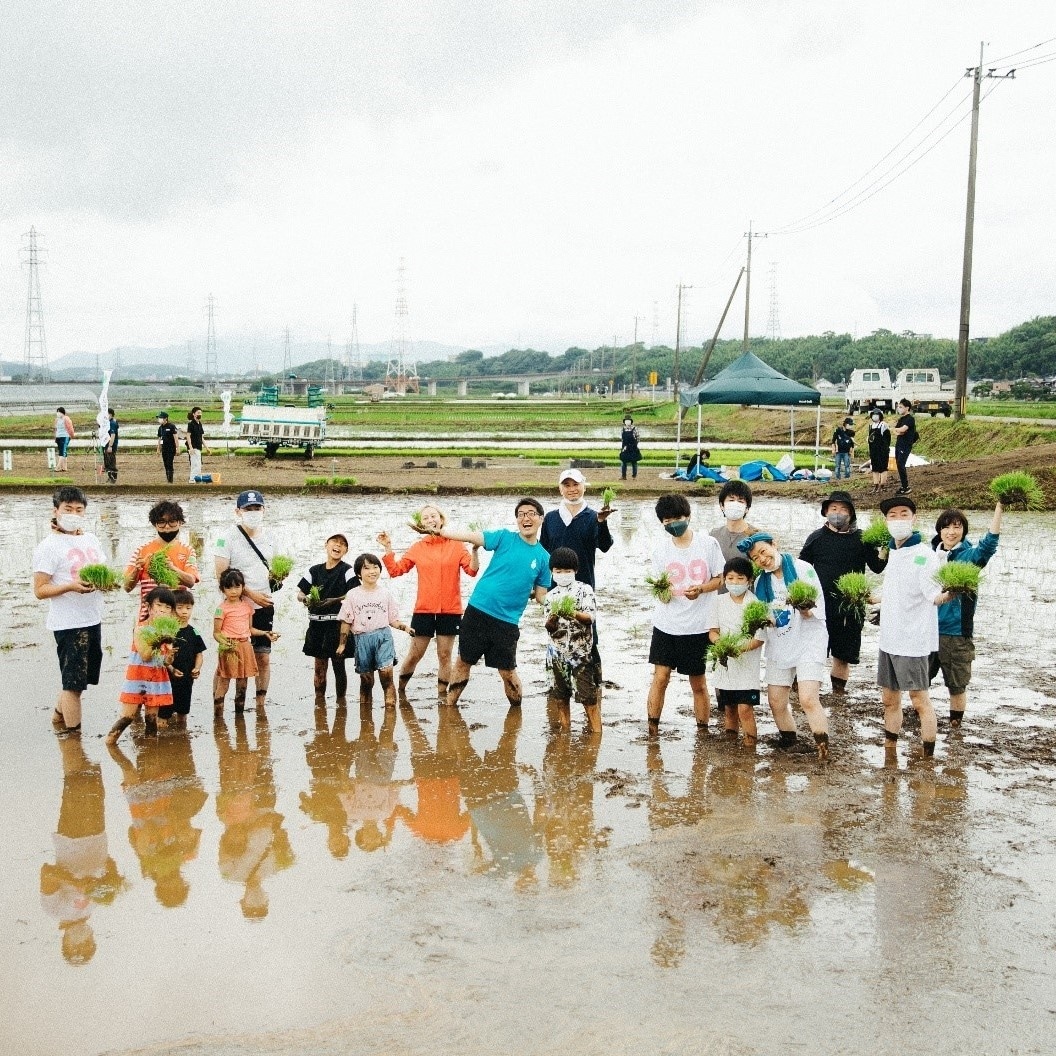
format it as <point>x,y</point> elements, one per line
<point>963,483</point>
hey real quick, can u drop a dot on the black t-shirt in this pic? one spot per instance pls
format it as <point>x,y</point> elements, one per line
<point>843,439</point>
<point>196,433</point>
<point>167,436</point>
<point>189,644</point>
<point>834,553</point>
<point>909,437</point>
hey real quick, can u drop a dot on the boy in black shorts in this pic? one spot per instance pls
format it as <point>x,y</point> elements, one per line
<point>187,661</point>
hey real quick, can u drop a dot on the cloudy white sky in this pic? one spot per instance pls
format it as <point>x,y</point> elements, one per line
<point>547,170</point>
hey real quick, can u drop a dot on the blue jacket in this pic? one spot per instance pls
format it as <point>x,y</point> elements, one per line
<point>957,617</point>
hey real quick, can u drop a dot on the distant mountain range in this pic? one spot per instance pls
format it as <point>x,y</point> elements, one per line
<point>159,364</point>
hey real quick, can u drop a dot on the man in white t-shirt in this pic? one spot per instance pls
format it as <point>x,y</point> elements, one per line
<point>693,563</point>
<point>909,625</point>
<point>247,547</point>
<point>75,609</point>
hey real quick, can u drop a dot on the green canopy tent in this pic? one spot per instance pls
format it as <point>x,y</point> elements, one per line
<point>751,382</point>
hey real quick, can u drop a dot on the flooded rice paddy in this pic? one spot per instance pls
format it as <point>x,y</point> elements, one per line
<point>339,881</point>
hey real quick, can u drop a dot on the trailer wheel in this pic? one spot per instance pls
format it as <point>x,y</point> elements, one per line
<point>270,450</point>
<point>947,410</point>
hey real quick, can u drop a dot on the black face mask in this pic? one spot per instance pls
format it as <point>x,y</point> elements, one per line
<point>168,536</point>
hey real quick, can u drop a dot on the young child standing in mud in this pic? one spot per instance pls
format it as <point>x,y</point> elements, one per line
<point>569,653</point>
<point>186,660</point>
<point>233,632</point>
<point>736,683</point>
<point>368,614</point>
<point>147,683</point>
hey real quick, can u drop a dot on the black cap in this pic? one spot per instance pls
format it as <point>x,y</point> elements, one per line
<point>839,496</point>
<point>895,501</point>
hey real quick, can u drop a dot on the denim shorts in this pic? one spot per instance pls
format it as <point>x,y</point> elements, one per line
<point>375,650</point>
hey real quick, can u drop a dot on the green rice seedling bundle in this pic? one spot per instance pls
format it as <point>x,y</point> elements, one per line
<point>475,526</point>
<point>224,645</point>
<point>854,590</point>
<point>163,629</point>
<point>1018,489</point>
<point>876,534</point>
<point>608,497</point>
<point>161,571</point>
<point>566,607</point>
<point>416,519</point>
<point>756,615</point>
<point>802,595</point>
<point>314,598</point>
<point>280,566</point>
<point>661,586</point>
<point>959,577</point>
<point>725,648</point>
<point>102,577</point>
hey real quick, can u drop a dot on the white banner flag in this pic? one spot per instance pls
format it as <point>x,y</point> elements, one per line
<point>103,417</point>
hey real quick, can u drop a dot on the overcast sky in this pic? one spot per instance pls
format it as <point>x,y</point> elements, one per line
<point>548,171</point>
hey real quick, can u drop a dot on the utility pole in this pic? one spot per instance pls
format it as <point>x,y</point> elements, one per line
<point>715,337</point>
<point>748,281</point>
<point>960,404</point>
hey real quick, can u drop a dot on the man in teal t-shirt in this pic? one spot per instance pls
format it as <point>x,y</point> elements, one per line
<point>519,570</point>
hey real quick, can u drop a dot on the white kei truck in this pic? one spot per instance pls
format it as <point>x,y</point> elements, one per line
<point>273,425</point>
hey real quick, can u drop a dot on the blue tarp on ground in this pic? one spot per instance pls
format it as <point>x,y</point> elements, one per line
<point>761,471</point>
<point>700,473</point>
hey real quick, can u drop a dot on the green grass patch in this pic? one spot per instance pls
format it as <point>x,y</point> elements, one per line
<point>34,482</point>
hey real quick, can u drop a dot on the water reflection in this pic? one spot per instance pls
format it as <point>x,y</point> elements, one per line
<point>164,794</point>
<point>83,874</point>
<point>371,797</point>
<point>329,756</point>
<point>254,844</point>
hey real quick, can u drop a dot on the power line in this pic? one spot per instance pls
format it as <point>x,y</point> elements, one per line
<point>1040,60</point>
<point>1033,47</point>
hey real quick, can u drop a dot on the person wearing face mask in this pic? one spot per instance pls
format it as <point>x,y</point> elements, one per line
<point>75,609</point>
<point>167,519</point>
<point>168,438</point>
<point>693,563</point>
<point>957,616</point>
<point>909,625</point>
<point>835,549</point>
<point>735,500</point>
<point>630,453</point>
<point>247,547</point>
<point>879,449</point>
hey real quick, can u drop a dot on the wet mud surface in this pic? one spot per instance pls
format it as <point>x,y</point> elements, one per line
<point>331,881</point>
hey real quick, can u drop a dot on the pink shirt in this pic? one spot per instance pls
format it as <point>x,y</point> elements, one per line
<point>369,610</point>
<point>235,618</point>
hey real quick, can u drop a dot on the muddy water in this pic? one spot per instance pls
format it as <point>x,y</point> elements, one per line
<point>329,883</point>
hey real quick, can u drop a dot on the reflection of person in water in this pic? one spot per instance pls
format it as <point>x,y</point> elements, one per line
<point>564,804</point>
<point>164,793</point>
<point>329,755</point>
<point>498,810</point>
<point>439,817</point>
<point>371,797</point>
<point>83,875</point>
<point>254,845</point>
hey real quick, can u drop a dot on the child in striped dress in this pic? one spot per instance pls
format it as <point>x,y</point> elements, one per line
<point>147,683</point>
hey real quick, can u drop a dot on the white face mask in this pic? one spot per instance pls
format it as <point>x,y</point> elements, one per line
<point>564,579</point>
<point>900,529</point>
<point>733,511</point>
<point>737,589</point>
<point>252,519</point>
<point>70,522</point>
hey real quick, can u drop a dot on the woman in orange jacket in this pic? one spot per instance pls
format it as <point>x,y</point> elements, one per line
<point>438,608</point>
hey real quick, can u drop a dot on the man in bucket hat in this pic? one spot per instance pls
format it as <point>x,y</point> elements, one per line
<point>835,549</point>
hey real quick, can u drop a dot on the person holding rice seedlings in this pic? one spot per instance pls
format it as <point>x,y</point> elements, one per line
<point>187,658</point>
<point>796,639</point>
<point>519,570</point>
<point>75,608</point>
<point>575,525</point>
<point>835,549</point>
<point>689,566</point>
<point>321,590</point>
<point>367,613</point>
<point>909,624</point>
<point>147,684</point>
<point>736,682</point>
<point>164,561</point>
<point>439,564</point>
<point>735,500</point>
<point>570,607</point>
<point>957,616</point>
<point>249,548</point>
<point>233,632</point>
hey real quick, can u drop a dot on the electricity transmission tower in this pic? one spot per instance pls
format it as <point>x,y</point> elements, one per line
<point>211,372</point>
<point>773,323</point>
<point>36,351</point>
<point>353,363</point>
<point>287,362</point>
<point>401,374</point>
<point>329,373</point>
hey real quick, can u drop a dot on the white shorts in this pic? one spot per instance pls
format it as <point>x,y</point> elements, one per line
<point>785,676</point>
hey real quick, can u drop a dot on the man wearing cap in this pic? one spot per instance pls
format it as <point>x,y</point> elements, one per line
<point>575,525</point>
<point>247,548</point>
<point>842,446</point>
<point>835,549</point>
<point>168,435</point>
<point>909,625</point>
